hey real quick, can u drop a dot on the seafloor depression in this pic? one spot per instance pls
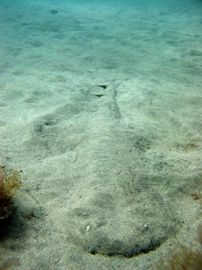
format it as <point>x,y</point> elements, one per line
<point>100,107</point>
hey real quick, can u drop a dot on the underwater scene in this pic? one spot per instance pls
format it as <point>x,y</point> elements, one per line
<point>101,134</point>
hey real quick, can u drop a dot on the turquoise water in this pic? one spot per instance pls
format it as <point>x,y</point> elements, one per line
<point>160,39</point>
<point>100,107</point>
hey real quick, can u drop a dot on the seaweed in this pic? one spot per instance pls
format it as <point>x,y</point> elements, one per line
<point>197,196</point>
<point>9,263</point>
<point>185,258</point>
<point>10,182</point>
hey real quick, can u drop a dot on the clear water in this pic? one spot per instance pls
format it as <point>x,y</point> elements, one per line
<point>160,39</point>
<point>100,106</point>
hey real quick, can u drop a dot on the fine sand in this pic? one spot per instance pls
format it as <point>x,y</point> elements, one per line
<point>100,107</point>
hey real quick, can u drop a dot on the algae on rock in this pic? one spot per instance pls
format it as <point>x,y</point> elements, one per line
<point>10,182</point>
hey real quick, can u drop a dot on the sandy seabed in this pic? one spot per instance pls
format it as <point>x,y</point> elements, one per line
<point>100,107</point>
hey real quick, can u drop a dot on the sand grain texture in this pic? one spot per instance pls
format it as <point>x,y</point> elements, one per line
<point>105,124</point>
